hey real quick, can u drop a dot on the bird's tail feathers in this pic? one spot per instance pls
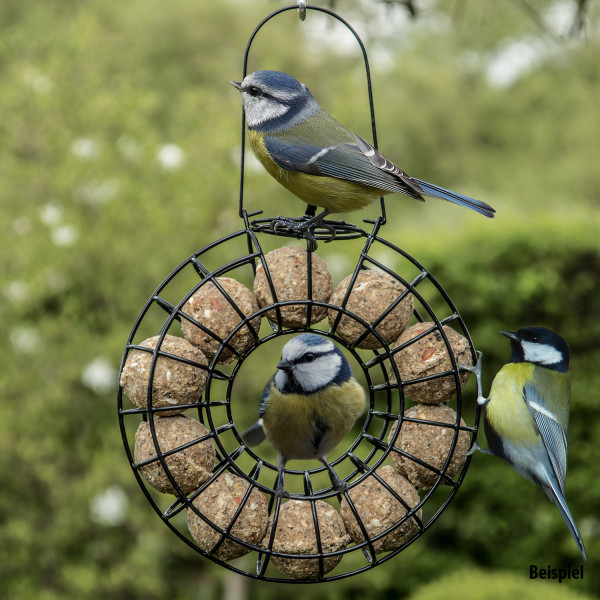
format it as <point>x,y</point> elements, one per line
<point>553,492</point>
<point>439,192</point>
<point>254,435</point>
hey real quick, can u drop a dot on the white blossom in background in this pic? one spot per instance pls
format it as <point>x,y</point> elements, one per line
<point>99,376</point>
<point>25,339</point>
<point>110,507</point>
<point>64,235</point>
<point>170,157</point>
<point>85,149</point>
<point>97,193</point>
<point>51,214</point>
<point>560,15</point>
<point>37,81</point>
<point>17,290</point>
<point>516,59</point>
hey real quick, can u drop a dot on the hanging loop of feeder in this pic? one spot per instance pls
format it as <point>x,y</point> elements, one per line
<point>302,9</point>
<point>301,227</point>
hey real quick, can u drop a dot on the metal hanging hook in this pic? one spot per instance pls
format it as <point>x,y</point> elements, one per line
<point>302,9</point>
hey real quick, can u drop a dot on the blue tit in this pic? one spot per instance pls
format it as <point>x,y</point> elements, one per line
<point>527,413</point>
<point>308,406</point>
<point>316,158</point>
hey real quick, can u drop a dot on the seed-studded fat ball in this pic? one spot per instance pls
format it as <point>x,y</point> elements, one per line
<point>295,534</point>
<point>219,502</point>
<point>429,443</point>
<point>379,510</point>
<point>372,293</point>
<point>190,467</point>
<point>289,273</point>
<point>428,356</point>
<point>209,307</point>
<point>174,382</point>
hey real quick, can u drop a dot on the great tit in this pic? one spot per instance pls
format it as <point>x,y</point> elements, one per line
<point>527,413</point>
<point>316,158</point>
<point>308,406</point>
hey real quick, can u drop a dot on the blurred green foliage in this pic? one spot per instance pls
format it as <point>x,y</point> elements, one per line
<point>120,142</point>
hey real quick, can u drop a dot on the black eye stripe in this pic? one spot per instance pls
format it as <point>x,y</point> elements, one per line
<point>309,357</point>
<point>254,91</point>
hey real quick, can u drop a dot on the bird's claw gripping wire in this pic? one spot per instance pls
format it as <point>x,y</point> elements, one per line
<point>481,400</point>
<point>304,227</point>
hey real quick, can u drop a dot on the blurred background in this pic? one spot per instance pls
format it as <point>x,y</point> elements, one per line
<point>120,143</point>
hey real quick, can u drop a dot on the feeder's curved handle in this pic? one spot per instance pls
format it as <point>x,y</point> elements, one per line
<point>302,7</point>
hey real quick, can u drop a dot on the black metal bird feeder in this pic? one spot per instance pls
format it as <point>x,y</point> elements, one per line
<point>375,437</point>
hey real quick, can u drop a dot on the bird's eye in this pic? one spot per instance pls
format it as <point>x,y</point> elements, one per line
<point>309,357</point>
<point>253,91</point>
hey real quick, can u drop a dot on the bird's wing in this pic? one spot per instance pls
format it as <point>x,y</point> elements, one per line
<point>320,430</point>
<point>553,434</point>
<point>255,434</point>
<point>357,162</point>
<point>264,399</point>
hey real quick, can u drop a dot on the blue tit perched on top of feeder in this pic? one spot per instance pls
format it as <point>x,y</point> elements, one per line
<point>308,406</point>
<point>318,159</point>
<point>527,413</point>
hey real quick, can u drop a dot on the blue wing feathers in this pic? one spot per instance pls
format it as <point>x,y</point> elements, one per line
<point>360,163</point>
<point>444,194</point>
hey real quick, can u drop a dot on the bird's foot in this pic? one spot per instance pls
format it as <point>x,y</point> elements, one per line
<point>280,493</point>
<point>304,227</point>
<point>340,486</point>
<point>481,400</point>
<point>476,447</point>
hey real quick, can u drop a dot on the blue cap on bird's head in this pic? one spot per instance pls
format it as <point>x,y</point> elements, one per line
<point>278,80</point>
<point>275,101</point>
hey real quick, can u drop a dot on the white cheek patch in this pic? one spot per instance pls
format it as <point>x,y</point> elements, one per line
<point>281,379</point>
<point>260,110</point>
<point>542,354</point>
<point>319,373</point>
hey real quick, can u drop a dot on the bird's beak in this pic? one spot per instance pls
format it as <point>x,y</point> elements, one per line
<point>285,365</point>
<point>510,335</point>
<point>237,85</point>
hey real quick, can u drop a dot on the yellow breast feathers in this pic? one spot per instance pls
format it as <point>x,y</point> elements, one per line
<point>336,195</point>
<point>507,410</point>
<point>290,421</point>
